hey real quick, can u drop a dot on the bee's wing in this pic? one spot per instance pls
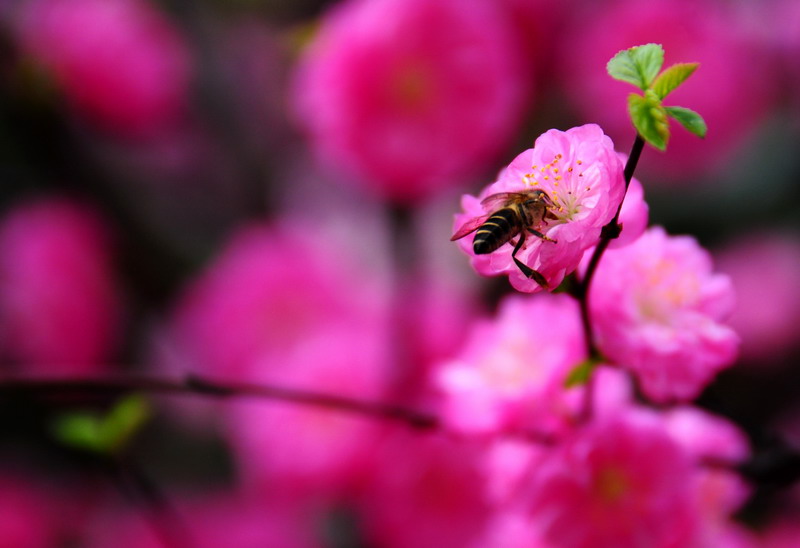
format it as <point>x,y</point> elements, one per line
<point>501,199</point>
<point>470,226</point>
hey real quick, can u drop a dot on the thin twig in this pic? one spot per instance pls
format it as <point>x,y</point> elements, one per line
<point>610,232</point>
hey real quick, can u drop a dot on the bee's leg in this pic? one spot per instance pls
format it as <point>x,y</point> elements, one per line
<point>542,236</point>
<point>528,271</point>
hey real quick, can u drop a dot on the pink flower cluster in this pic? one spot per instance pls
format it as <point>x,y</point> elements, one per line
<point>411,96</point>
<point>582,176</point>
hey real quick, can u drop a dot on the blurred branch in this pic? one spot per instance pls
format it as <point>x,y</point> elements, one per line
<point>775,466</point>
<point>191,384</point>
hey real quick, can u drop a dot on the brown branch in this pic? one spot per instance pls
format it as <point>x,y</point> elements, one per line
<point>610,232</point>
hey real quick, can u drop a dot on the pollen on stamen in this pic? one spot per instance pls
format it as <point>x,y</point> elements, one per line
<point>579,162</point>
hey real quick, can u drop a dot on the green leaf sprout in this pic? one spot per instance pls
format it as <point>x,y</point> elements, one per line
<point>640,67</point>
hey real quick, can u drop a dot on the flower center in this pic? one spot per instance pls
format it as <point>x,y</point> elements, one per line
<point>610,484</point>
<point>411,87</point>
<point>666,288</point>
<point>562,181</point>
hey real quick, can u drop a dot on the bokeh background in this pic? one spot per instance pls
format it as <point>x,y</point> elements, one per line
<point>263,191</point>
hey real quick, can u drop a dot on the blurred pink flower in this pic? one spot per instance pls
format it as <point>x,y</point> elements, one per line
<point>783,534</point>
<point>28,516</point>
<point>59,307</point>
<point>778,24</point>
<point>269,290</point>
<point>510,375</point>
<point>281,308</point>
<point>582,175</point>
<point>706,438</point>
<point>411,96</point>
<point>210,520</point>
<point>657,309</point>
<point>619,481</point>
<point>302,450</point>
<point>433,317</point>
<point>425,492</point>
<point>733,89</point>
<point>765,271</point>
<point>119,62</point>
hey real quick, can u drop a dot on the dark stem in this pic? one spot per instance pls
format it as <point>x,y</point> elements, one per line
<point>610,232</point>
<point>140,489</point>
<point>10,387</point>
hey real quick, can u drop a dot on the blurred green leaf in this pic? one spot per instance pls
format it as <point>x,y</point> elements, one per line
<point>106,434</point>
<point>124,420</point>
<point>638,65</point>
<point>80,431</point>
<point>581,373</point>
<point>673,77</point>
<point>688,119</point>
<point>650,118</point>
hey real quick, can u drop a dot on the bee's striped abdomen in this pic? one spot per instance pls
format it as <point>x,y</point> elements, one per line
<point>499,228</point>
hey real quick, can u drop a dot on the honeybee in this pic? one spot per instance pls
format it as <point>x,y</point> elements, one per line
<point>510,215</point>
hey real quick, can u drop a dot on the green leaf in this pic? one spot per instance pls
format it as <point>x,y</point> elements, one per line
<point>673,77</point>
<point>650,118</point>
<point>124,420</point>
<point>78,430</point>
<point>100,434</point>
<point>638,65</point>
<point>581,373</point>
<point>688,119</point>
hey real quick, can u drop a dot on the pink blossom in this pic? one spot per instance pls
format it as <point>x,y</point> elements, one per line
<point>59,307</point>
<point>764,269</point>
<point>657,309</point>
<point>411,96</point>
<point>278,307</point>
<point>511,372</point>
<point>619,481</point>
<point>119,62</point>
<point>582,175</point>
<point>709,439</point>
<point>425,491</point>
<point>705,32</point>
